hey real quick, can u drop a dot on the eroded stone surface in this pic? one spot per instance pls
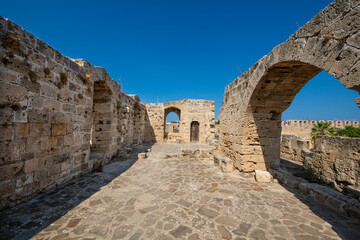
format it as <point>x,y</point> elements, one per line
<point>144,203</point>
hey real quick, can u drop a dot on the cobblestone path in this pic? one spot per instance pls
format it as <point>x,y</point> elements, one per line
<point>160,198</point>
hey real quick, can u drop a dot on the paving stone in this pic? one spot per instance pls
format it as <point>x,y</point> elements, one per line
<point>258,234</point>
<point>194,237</point>
<point>73,222</point>
<point>243,229</point>
<point>225,221</point>
<point>122,231</point>
<point>180,231</point>
<point>225,234</point>
<point>207,212</point>
<point>148,209</point>
<point>136,209</point>
<point>184,203</point>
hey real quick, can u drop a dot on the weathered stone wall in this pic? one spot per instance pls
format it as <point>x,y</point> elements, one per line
<point>58,116</point>
<point>188,110</point>
<point>296,136</point>
<point>337,158</point>
<point>172,127</point>
<point>250,117</point>
<point>291,147</point>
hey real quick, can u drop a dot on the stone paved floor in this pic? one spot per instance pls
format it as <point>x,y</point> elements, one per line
<point>160,198</point>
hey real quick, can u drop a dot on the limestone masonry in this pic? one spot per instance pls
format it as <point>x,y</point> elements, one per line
<point>250,117</point>
<point>62,117</point>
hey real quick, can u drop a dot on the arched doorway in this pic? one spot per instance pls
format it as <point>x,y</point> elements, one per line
<point>194,131</point>
<point>172,119</point>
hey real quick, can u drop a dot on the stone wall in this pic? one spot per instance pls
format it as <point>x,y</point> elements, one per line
<point>188,110</point>
<point>250,117</point>
<point>337,159</point>
<point>58,116</point>
<point>172,127</point>
<point>296,136</point>
<point>291,147</point>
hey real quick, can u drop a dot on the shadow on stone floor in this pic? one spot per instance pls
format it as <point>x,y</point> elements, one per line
<point>28,218</point>
<point>346,227</point>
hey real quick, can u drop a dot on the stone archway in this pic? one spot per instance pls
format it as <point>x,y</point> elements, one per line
<point>251,113</point>
<point>174,135</point>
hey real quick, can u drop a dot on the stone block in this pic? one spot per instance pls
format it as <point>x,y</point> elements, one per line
<point>8,171</point>
<point>263,176</point>
<point>7,133</point>
<point>7,188</point>
<point>22,130</point>
<point>227,165</point>
<point>31,165</point>
<point>51,105</point>
<point>38,116</point>
<point>58,129</point>
<point>40,129</point>
<point>142,156</point>
<point>48,91</point>
<point>20,116</point>
<point>12,94</point>
<point>6,115</point>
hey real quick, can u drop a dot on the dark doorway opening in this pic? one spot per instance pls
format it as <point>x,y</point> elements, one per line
<point>194,134</point>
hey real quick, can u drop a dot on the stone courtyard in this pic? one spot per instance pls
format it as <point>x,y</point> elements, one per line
<point>81,159</point>
<point>170,198</point>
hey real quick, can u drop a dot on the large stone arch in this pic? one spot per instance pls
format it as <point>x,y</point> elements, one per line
<point>253,103</point>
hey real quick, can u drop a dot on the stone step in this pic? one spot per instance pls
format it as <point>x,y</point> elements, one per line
<point>224,163</point>
<point>321,194</point>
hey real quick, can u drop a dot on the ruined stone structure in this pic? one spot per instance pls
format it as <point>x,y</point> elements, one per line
<point>337,158</point>
<point>296,136</point>
<point>61,117</point>
<point>250,117</point>
<point>196,120</point>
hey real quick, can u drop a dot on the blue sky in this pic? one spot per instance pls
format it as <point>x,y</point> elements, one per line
<point>172,50</point>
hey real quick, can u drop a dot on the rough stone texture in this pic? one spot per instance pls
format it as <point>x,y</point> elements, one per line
<point>142,156</point>
<point>223,162</point>
<point>338,158</point>
<point>291,147</point>
<point>59,117</point>
<point>263,176</point>
<point>172,201</point>
<point>188,110</point>
<point>250,117</point>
